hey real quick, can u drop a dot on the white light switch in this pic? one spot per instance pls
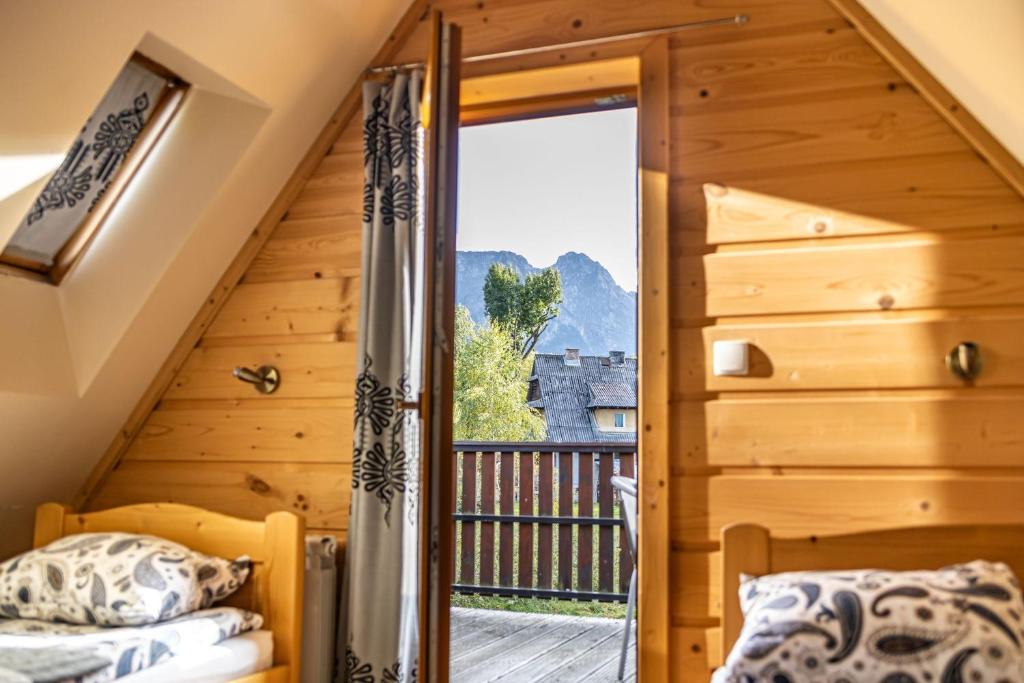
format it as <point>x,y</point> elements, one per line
<point>729,358</point>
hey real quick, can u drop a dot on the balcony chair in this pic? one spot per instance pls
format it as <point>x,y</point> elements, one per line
<point>627,493</point>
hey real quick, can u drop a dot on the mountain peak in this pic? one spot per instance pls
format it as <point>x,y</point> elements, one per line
<point>576,257</point>
<point>596,315</point>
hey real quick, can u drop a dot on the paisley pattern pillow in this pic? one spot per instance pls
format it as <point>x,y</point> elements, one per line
<point>114,579</point>
<point>960,623</point>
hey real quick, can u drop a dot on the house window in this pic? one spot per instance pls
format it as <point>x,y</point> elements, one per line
<point>108,151</point>
<point>620,420</point>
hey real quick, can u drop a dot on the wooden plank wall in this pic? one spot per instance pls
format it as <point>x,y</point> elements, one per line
<point>214,441</point>
<point>825,213</point>
<point>849,233</point>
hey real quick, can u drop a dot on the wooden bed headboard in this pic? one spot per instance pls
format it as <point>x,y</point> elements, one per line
<point>751,549</point>
<point>275,545</point>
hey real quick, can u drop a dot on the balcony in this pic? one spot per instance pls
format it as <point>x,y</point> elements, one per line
<point>541,520</point>
<point>507,647</point>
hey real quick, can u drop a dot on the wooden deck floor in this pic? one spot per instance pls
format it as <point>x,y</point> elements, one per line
<point>488,645</point>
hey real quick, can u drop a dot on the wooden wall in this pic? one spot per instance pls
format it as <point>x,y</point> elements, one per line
<point>848,232</point>
<point>823,211</point>
<point>214,441</point>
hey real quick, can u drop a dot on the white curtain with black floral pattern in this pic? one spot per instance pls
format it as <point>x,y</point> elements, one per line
<point>377,639</point>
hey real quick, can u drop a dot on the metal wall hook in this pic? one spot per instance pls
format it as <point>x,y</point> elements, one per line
<point>964,360</point>
<point>265,378</point>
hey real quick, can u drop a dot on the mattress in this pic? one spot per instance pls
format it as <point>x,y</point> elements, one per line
<point>233,658</point>
<point>38,651</point>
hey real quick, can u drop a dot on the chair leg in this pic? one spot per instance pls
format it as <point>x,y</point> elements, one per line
<point>630,604</point>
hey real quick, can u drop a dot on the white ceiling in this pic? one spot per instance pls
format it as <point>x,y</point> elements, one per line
<point>975,48</point>
<point>267,75</point>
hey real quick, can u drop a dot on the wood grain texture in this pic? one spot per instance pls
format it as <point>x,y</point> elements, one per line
<point>919,272</point>
<point>738,215</point>
<point>693,649</point>
<point>292,307</point>
<point>318,491</point>
<point>919,429</point>
<point>257,434</point>
<point>594,75</point>
<point>699,600</point>
<point>790,503</point>
<point>331,188</point>
<point>503,25</point>
<point>745,551</point>
<point>931,192</point>
<point>863,123</point>
<point>309,250</point>
<point>738,73</point>
<point>307,371</point>
<point>870,354</point>
<point>653,651</point>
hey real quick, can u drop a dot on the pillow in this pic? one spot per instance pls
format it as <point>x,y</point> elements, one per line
<point>114,579</point>
<point>960,623</point>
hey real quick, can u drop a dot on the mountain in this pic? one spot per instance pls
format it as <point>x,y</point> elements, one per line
<point>596,316</point>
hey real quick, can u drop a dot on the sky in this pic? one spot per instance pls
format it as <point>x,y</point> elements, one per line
<point>543,187</point>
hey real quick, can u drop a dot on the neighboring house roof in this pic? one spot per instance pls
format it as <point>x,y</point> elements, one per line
<point>567,393</point>
<point>611,395</point>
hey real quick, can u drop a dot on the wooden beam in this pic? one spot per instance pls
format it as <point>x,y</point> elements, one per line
<point>746,549</point>
<point>653,626</point>
<point>613,74</point>
<point>348,108</point>
<point>954,113</point>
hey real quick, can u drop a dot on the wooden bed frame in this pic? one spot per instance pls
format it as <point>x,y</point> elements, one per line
<point>275,545</point>
<point>751,549</point>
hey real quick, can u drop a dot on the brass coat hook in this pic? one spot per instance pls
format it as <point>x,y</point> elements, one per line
<point>964,360</point>
<point>265,378</point>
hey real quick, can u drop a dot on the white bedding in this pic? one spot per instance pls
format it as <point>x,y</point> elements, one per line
<point>233,658</point>
<point>71,653</point>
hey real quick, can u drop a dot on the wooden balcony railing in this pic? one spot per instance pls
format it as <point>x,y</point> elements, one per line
<point>527,515</point>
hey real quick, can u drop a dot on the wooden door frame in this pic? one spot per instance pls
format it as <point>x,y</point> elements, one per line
<point>653,436</point>
<point>650,91</point>
<point>441,117</point>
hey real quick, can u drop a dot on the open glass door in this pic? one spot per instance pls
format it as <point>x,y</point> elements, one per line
<point>441,125</point>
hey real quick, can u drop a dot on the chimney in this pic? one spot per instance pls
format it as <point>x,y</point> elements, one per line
<point>572,357</point>
<point>617,357</point>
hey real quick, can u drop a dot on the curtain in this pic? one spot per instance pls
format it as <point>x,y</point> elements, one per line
<point>378,629</point>
<point>90,165</point>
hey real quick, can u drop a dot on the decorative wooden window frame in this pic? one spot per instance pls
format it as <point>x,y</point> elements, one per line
<point>167,105</point>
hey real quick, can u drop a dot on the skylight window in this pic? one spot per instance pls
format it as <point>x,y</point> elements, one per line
<point>111,146</point>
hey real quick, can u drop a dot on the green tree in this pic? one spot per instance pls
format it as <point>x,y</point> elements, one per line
<point>490,385</point>
<point>522,309</point>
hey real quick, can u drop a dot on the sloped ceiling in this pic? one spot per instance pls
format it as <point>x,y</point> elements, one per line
<point>975,49</point>
<point>267,75</point>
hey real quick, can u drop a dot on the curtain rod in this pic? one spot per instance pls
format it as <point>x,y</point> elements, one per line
<point>724,21</point>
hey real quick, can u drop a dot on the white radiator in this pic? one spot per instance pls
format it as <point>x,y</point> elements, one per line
<point>319,609</point>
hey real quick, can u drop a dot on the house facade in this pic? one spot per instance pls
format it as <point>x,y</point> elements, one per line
<point>585,399</point>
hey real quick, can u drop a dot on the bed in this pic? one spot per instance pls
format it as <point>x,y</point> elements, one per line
<point>752,550</point>
<point>274,588</point>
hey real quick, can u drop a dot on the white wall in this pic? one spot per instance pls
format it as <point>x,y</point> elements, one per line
<point>975,48</point>
<point>268,74</point>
